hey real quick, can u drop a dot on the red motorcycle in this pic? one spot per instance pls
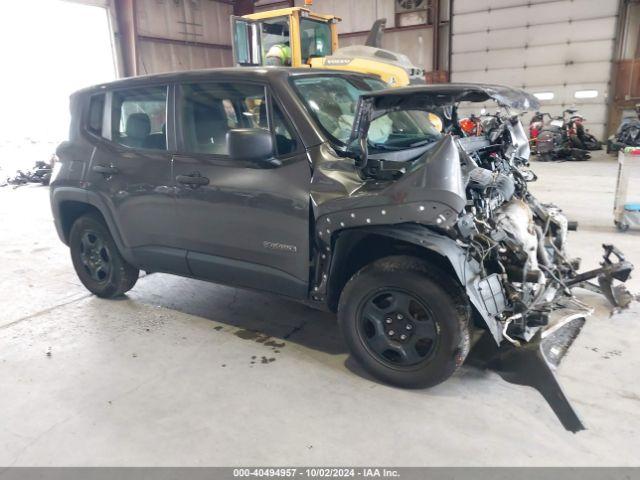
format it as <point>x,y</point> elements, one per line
<point>535,127</point>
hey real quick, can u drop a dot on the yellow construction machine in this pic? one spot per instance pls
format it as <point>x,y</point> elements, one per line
<point>307,39</point>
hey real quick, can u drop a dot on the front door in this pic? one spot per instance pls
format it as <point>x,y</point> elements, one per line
<point>243,223</point>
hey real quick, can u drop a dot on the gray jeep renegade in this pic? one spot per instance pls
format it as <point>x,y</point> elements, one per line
<point>326,188</point>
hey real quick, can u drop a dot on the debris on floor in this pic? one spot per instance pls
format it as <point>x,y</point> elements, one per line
<point>40,173</point>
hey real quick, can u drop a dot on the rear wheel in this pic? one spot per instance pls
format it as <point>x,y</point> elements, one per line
<point>592,142</point>
<point>401,325</point>
<point>621,226</point>
<point>96,259</point>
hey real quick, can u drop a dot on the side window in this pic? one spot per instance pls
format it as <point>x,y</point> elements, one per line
<point>96,110</point>
<point>209,110</point>
<point>285,140</point>
<point>316,39</point>
<point>139,118</point>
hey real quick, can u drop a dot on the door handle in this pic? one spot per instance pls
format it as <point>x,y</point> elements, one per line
<point>192,179</point>
<point>110,170</point>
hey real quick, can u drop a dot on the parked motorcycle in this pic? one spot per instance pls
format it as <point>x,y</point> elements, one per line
<point>536,124</point>
<point>627,135</point>
<point>558,140</point>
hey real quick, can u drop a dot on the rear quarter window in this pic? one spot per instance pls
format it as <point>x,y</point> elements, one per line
<point>96,114</point>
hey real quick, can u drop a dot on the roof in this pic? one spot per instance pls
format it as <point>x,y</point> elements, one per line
<point>288,11</point>
<point>240,73</point>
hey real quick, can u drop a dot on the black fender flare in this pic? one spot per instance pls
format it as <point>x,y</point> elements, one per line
<point>59,195</point>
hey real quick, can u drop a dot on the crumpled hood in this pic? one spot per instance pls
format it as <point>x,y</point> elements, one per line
<point>429,97</point>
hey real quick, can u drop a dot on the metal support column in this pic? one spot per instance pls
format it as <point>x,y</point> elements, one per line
<point>127,35</point>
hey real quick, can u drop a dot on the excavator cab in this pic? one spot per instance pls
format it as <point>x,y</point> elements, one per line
<point>305,35</point>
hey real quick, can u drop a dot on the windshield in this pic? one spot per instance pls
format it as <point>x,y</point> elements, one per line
<point>332,101</point>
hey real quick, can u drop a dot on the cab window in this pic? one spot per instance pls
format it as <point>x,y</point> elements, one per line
<point>315,37</point>
<point>275,32</point>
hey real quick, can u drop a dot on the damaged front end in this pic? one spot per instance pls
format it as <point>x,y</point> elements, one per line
<point>466,199</point>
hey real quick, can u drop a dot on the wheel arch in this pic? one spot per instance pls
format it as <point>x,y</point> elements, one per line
<point>69,203</point>
<point>355,248</point>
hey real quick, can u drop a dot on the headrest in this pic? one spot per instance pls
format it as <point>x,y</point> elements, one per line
<point>210,121</point>
<point>138,126</point>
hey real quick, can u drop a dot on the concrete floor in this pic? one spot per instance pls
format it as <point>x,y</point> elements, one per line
<point>174,375</point>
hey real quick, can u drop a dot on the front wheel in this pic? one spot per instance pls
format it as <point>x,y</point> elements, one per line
<point>403,327</point>
<point>96,259</point>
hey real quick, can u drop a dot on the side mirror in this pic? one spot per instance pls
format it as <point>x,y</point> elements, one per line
<point>252,144</point>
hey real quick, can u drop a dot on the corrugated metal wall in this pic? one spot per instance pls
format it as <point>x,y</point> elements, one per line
<point>417,44</point>
<point>182,34</point>
<point>626,68</point>
<point>357,15</point>
<point>557,47</point>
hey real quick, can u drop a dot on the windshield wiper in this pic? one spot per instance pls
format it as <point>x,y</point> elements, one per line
<point>392,148</point>
<point>382,146</point>
<point>421,142</point>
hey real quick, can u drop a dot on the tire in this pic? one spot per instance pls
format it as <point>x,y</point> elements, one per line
<point>579,155</point>
<point>622,227</point>
<point>593,143</point>
<point>403,295</point>
<point>96,259</point>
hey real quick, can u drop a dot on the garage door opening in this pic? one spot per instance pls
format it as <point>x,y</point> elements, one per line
<point>50,48</point>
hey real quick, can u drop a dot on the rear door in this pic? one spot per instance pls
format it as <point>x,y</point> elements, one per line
<point>131,171</point>
<point>245,224</point>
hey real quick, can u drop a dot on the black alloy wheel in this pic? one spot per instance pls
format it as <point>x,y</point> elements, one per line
<point>405,321</point>
<point>96,258</point>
